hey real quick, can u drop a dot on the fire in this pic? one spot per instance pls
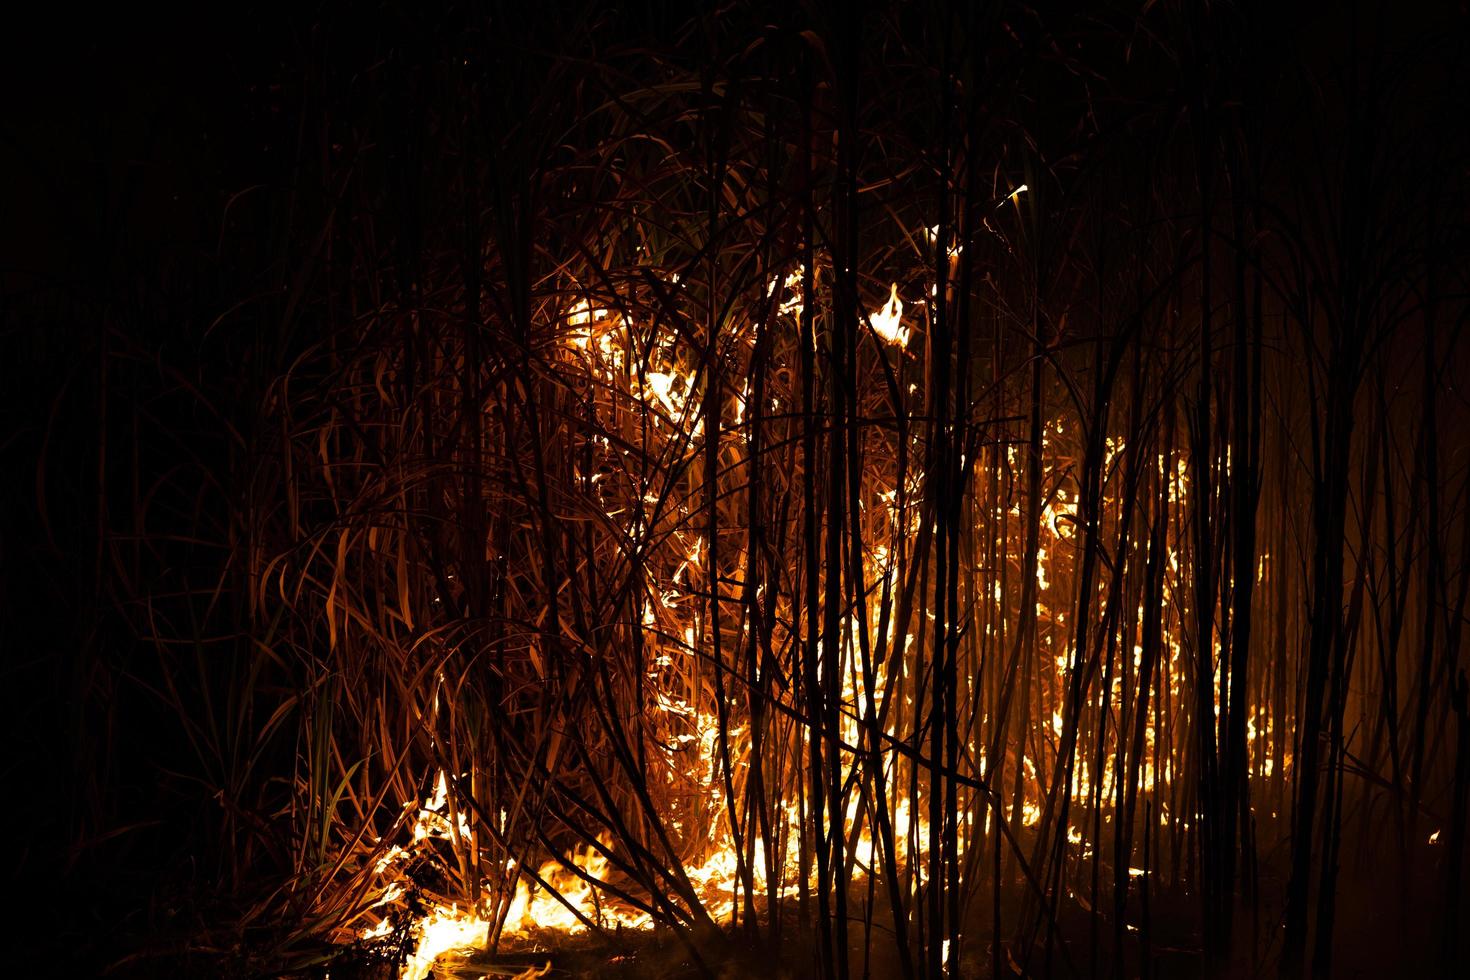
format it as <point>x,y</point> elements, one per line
<point>887,322</point>
<point>699,764</point>
<point>449,927</point>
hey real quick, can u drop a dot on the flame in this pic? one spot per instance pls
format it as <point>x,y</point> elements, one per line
<point>583,316</point>
<point>791,305</point>
<point>886,321</point>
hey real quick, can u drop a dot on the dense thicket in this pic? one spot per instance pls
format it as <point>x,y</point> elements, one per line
<point>983,489</point>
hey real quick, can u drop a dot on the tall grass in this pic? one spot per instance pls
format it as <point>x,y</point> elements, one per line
<point>566,449</point>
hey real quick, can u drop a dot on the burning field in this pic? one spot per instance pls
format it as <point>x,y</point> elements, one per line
<point>935,490</point>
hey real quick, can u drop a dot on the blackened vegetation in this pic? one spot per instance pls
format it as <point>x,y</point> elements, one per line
<point>501,394</point>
